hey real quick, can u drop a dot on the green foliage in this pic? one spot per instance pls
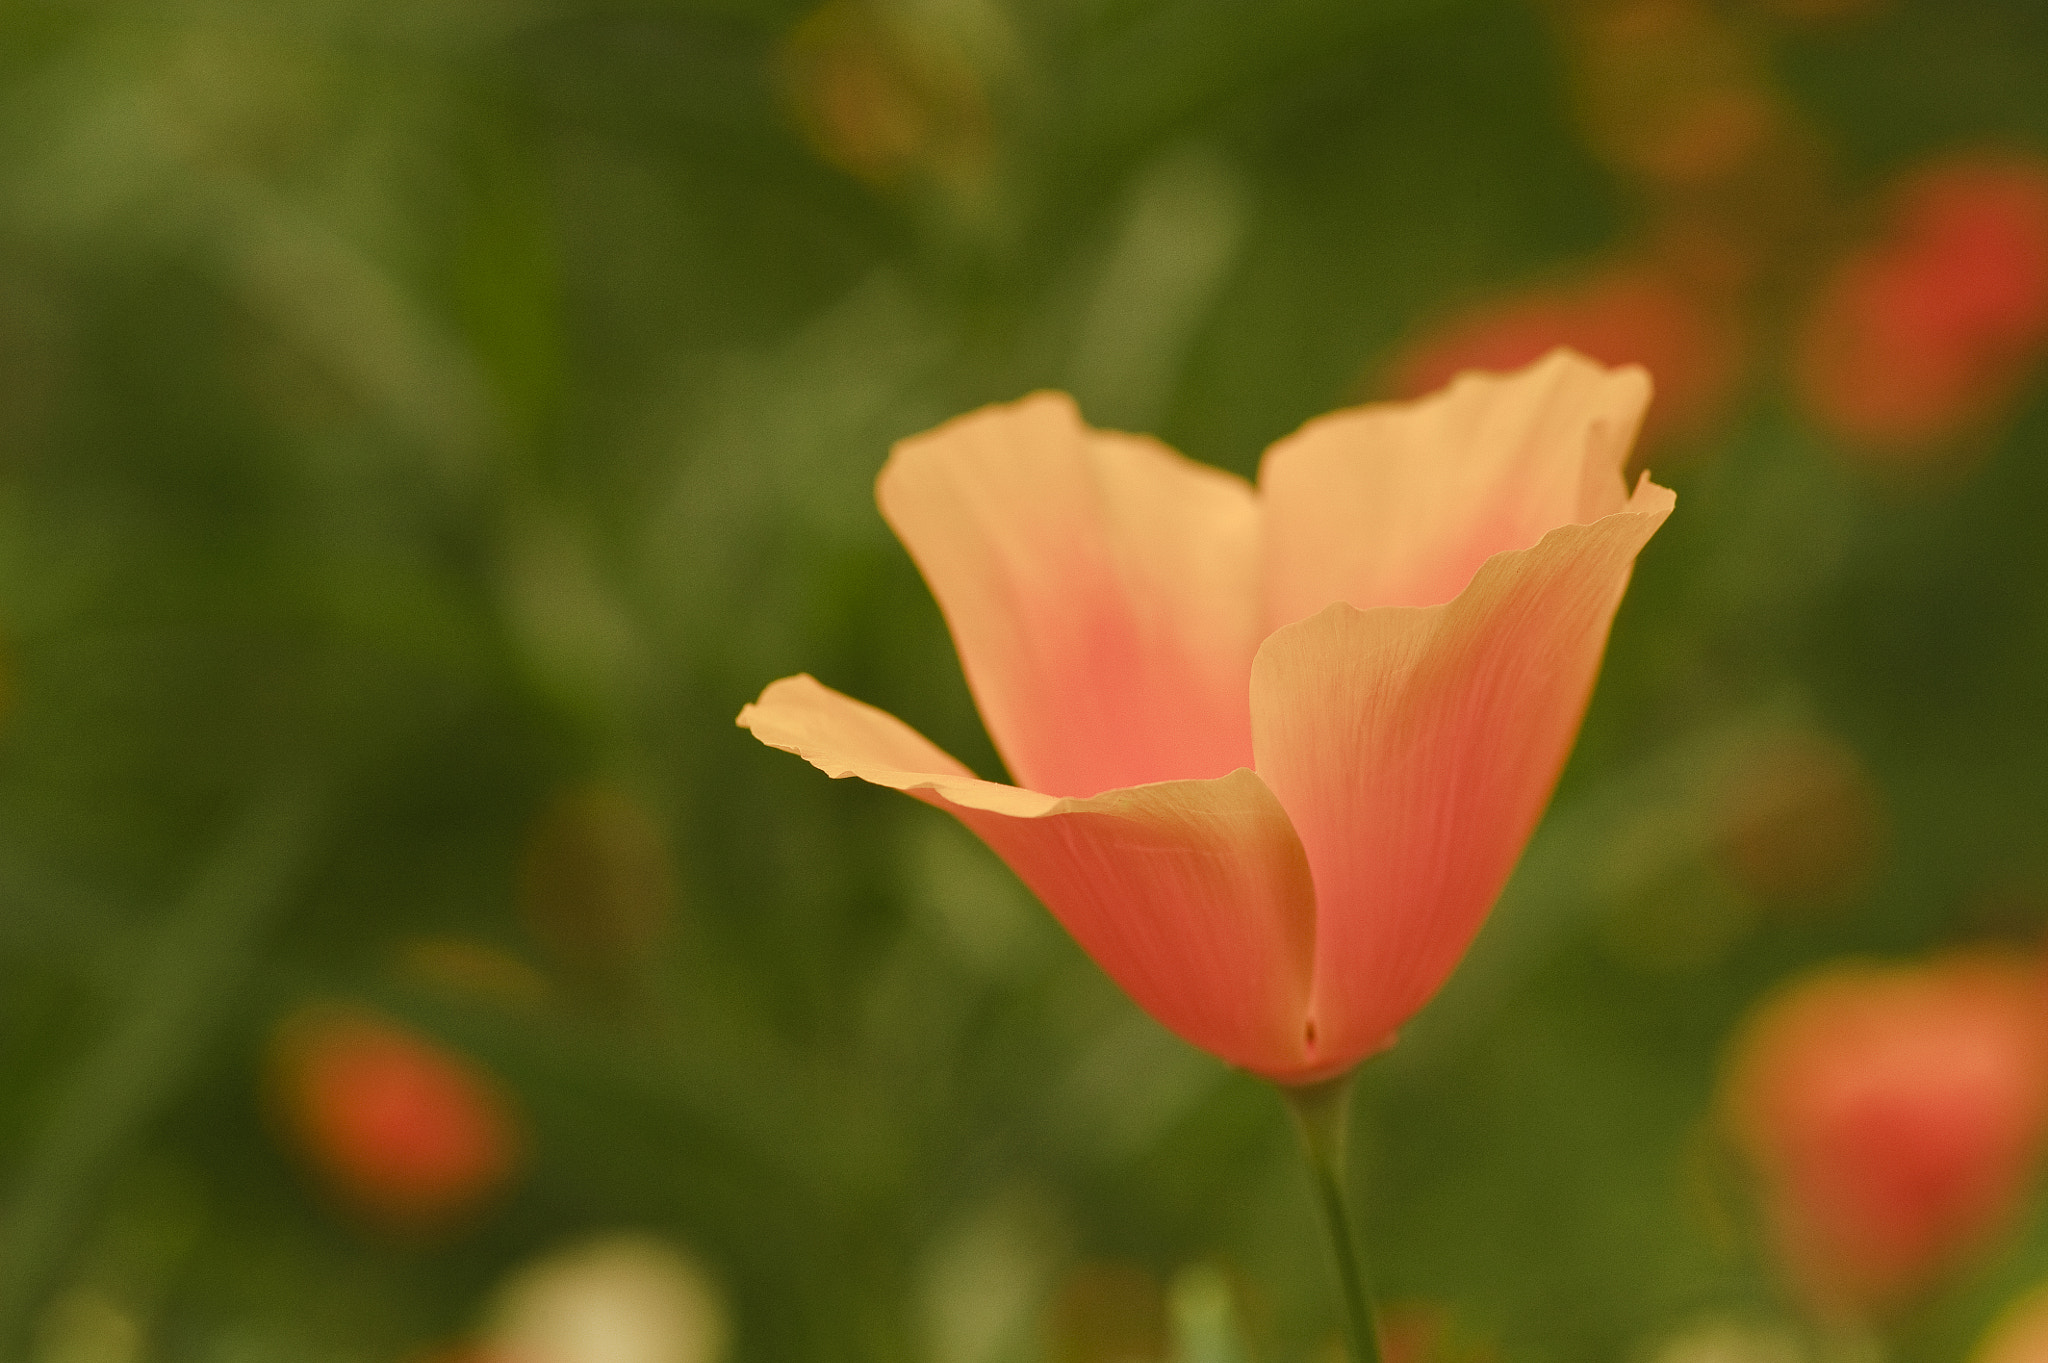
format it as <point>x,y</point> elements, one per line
<point>439,407</point>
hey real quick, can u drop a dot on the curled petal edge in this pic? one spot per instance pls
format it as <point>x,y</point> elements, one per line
<point>1194,896</point>
<point>1416,747</point>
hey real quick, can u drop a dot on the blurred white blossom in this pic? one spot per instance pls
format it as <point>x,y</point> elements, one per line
<point>615,1299</point>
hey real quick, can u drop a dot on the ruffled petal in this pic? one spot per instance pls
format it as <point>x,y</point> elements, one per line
<point>1414,750</point>
<point>1397,504</point>
<point>1102,591</point>
<point>1193,895</point>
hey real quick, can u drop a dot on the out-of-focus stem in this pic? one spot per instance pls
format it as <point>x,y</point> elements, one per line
<point>1322,1116</point>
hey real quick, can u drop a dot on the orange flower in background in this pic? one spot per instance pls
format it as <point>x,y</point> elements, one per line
<point>408,1133</point>
<point>1623,314</point>
<point>1671,91</point>
<point>1895,1115</point>
<point>1931,330</point>
<point>1278,749</point>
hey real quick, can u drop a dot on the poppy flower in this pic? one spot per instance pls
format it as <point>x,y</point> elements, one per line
<point>1895,1115</point>
<point>1277,749</point>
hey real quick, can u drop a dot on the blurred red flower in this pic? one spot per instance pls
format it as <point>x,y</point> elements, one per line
<point>1627,313</point>
<point>406,1132</point>
<point>1894,1114</point>
<point>1930,330</point>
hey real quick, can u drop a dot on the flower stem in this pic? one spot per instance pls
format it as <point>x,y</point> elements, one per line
<point>1321,1115</point>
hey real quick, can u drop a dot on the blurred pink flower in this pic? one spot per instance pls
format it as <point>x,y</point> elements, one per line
<point>1895,1115</point>
<point>1623,314</point>
<point>1278,749</point>
<point>1932,329</point>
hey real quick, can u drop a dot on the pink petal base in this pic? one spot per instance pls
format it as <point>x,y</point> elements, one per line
<point>1193,895</point>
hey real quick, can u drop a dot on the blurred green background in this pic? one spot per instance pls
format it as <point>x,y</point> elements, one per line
<point>424,425</point>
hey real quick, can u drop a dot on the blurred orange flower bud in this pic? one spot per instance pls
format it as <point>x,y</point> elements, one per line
<point>882,102</point>
<point>1668,90</point>
<point>472,969</point>
<point>1931,330</point>
<point>1625,313</point>
<point>2020,1334</point>
<point>596,889</point>
<point>1894,1114</point>
<point>406,1132</point>
<point>1801,823</point>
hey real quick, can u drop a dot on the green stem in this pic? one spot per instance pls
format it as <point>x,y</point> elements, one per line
<point>1321,1115</point>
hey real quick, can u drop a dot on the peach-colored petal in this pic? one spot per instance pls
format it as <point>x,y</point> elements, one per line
<point>1193,895</point>
<point>1397,504</point>
<point>1414,749</point>
<point>1102,591</point>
